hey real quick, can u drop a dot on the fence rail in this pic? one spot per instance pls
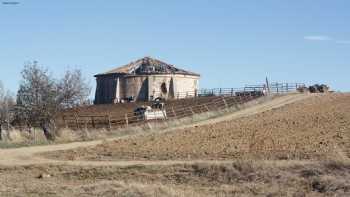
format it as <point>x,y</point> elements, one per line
<point>272,88</point>
<point>285,87</point>
<point>112,121</point>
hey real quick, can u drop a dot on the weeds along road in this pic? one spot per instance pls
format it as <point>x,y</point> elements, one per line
<point>30,155</point>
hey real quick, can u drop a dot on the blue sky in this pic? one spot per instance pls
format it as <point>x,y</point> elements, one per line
<point>230,43</point>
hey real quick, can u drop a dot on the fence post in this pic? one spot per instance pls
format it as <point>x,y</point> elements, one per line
<point>86,123</point>
<point>93,122</point>
<point>109,121</point>
<point>164,115</point>
<point>223,99</point>
<point>191,110</point>
<point>65,122</point>
<point>34,133</point>
<point>77,121</point>
<point>231,91</point>
<point>172,108</point>
<point>126,120</point>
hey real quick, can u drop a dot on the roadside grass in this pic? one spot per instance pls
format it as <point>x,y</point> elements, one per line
<point>238,178</point>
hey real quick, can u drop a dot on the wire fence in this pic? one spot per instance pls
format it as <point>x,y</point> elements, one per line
<point>272,88</point>
<point>285,87</point>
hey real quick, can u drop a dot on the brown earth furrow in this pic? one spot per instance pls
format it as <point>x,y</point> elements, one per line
<point>306,127</point>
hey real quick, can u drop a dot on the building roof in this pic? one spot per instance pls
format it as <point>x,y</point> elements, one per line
<point>147,65</point>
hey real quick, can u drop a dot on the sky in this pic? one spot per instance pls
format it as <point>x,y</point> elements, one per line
<point>230,43</point>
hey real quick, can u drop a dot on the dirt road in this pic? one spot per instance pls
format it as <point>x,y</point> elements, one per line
<point>29,155</point>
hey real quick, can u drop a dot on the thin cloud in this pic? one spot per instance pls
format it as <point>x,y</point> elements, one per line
<point>343,42</point>
<point>318,38</point>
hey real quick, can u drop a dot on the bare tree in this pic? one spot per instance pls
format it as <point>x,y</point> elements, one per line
<point>37,96</point>
<point>40,97</point>
<point>7,104</point>
<point>73,90</point>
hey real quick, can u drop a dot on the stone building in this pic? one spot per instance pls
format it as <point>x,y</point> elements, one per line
<point>145,80</point>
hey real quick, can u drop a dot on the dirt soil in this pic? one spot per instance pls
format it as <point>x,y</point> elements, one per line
<point>313,128</point>
<point>304,137</point>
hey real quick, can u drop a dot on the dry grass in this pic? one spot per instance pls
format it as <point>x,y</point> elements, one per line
<point>239,178</point>
<point>16,138</point>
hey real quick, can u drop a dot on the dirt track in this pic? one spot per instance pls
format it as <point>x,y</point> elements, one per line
<point>29,155</point>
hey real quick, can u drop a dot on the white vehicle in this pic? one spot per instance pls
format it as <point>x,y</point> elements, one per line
<point>155,114</point>
<point>147,113</point>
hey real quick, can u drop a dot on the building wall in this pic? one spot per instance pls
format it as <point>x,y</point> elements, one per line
<point>145,87</point>
<point>177,86</point>
<point>154,86</point>
<point>186,86</point>
<point>105,89</point>
<point>136,86</point>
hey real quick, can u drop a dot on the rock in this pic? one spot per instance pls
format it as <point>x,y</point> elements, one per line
<point>44,176</point>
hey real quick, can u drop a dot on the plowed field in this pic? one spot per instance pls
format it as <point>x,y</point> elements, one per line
<point>314,128</point>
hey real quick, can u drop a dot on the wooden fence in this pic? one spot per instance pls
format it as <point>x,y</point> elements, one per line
<point>111,121</point>
<point>224,98</point>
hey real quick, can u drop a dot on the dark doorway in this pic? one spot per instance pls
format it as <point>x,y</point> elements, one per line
<point>164,88</point>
